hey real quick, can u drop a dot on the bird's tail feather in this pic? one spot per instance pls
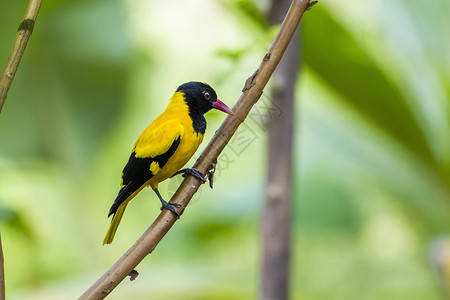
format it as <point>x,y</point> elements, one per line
<point>115,223</point>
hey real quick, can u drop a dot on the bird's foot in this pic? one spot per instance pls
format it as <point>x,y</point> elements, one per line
<point>211,171</point>
<point>170,206</point>
<point>193,172</point>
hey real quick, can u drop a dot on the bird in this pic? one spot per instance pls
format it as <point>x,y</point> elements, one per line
<point>165,146</point>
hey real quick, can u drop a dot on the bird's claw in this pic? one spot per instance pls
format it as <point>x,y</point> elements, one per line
<point>170,206</point>
<point>193,172</point>
<point>211,171</point>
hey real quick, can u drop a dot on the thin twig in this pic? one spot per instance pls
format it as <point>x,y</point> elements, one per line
<point>24,32</point>
<point>2,272</point>
<point>150,239</point>
<point>310,5</point>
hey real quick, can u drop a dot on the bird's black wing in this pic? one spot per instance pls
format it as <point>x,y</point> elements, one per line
<point>137,172</point>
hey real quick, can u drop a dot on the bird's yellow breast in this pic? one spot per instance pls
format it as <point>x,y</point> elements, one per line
<point>177,112</point>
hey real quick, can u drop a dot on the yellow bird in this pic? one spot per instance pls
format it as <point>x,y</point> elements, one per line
<point>165,146</point>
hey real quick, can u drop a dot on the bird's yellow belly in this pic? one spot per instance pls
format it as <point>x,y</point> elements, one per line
<point>188,145</point>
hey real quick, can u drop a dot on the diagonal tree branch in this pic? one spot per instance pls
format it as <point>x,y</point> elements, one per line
<point>24,32</point>
<point>251,93</point>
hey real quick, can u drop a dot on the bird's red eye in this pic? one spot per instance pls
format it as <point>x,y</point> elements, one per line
<point>207,96</point>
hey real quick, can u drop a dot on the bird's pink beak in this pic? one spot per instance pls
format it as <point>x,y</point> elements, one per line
<point>222,107</point>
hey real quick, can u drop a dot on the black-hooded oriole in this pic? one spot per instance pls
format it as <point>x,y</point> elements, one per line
<point>165,146</point>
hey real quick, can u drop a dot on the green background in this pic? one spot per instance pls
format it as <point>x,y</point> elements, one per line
<point>372,148</point>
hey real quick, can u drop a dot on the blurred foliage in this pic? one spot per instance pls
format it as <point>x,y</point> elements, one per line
<point>372,137</point>
<point>370,92</point>
<point>250,13</point>
<point>13,219</point>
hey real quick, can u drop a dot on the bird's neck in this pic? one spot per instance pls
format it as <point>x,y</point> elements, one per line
<point>180,107</point>
<point>198,121</point>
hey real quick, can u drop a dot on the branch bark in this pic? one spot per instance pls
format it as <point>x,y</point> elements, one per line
<point>276,220</point>
<point>2,272</point>
<point>24,32</point>
<point>251,93</point>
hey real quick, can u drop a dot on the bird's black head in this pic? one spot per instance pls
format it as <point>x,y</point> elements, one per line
<point>201,98</point>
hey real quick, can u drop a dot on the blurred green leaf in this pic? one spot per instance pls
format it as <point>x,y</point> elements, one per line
<point>247,11</point>
<point>232,54</point>
<point>332,209</point>
<point>13,218</point>
<point>331,52</point>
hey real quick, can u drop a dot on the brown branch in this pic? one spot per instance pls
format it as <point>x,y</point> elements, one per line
<point>253,90</point>
<point>24,32</point>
